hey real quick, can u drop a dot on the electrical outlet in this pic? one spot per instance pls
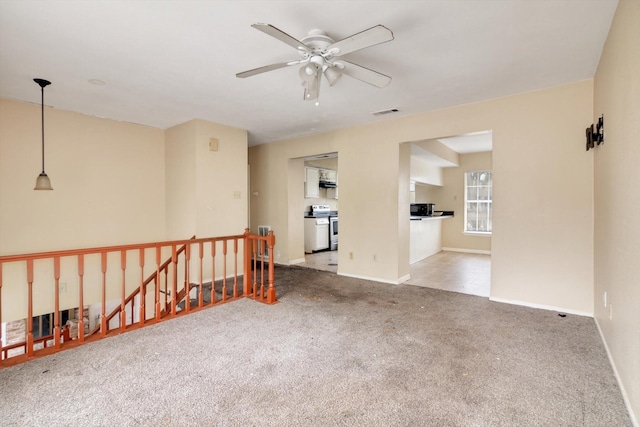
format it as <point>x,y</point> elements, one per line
<point>350,255</point>
<point>237,194</point>
<point>604,299</point>
<point>62,286</point>
<point>374,257</point>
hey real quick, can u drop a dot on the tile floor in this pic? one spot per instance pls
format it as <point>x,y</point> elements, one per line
<point>451,271</point>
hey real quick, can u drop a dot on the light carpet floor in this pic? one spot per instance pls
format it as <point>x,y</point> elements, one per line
<point>334,351</point>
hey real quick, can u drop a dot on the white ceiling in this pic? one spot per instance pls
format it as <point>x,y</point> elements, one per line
<point>477,142</point>
<point>166,62</point>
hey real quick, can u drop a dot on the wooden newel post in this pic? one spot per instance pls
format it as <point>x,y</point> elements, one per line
<point>271,292</point>
<point>81,297</point>
<point>123,306</point>
<point>30,308</point>
<point>56,303</point>
<point>246,278</point>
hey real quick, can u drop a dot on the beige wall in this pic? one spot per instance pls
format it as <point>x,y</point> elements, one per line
<point>617,199</point>
<point>543,237</point>
<point>429,194</point>
<point>108,180</point>
<point>424,172</point>
<point>206,190</point>
<point>451,198</point>
<point>109,189</point>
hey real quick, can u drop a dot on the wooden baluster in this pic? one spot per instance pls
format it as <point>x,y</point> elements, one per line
<point>187,280</point>
<point>246,263</point>
<point>174,279</point>
<point>2,354</point>
<point>200,255</point>
<point>167,306</point>
<point>224,270</point>
<point>235,268</point>
<point>264,250</point>
<point>81,298</point>
<point>271,293</point>
<point>255,267</point>
<point>56,313</point>
<point>213,272</point>
<point>158,262</point>
<point>103,314</point>
<point>29,348</point>
<point>123,308</point>
<point>143,313</point>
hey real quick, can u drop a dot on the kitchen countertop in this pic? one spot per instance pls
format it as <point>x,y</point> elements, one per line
<point>308,214</point>
<point>426,218</point>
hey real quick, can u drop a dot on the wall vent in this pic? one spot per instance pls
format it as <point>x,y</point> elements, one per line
<point>383,112</point>
<point>263,230</point>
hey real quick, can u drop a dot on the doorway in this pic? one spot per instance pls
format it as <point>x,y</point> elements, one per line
<point>439,174</point>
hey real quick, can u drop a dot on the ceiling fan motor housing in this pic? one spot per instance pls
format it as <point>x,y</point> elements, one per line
<point>318,41</point>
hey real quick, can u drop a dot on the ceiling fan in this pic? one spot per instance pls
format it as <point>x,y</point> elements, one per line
<point>321,55</point>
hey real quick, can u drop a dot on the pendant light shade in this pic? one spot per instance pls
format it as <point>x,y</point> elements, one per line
<point>42,182</point>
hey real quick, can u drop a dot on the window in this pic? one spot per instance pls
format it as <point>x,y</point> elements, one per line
<point>477,200</point>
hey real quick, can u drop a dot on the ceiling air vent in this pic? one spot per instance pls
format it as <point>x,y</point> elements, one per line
<point>383,112</point>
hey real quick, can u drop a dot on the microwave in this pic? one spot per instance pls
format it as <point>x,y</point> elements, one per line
<point>422,209</point>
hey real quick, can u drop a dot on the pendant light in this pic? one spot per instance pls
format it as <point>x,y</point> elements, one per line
<point>42,182</point>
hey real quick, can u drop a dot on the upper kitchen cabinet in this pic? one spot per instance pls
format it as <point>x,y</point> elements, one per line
<point>329,175</point>
<point>311,182</point>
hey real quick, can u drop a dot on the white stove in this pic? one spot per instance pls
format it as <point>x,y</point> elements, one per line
<point>323,217</point>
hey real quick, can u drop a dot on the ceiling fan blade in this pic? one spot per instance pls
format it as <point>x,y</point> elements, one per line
<point>282,36</point>
<point>266,68</point>
<point>366,75</point>
<point>372,36</point>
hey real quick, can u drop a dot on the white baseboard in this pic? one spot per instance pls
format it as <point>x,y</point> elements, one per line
<point>542,306</point>
<point>296,261</point>
<point>625,397</point>
<point>376,279</point>
<point>468,251</point>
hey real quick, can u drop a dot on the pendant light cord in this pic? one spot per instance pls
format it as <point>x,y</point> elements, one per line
<point>42,111</point>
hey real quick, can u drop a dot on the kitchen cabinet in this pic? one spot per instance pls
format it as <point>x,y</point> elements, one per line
<point>425,237</point>
<point>311,182</point>
<point>316,234</point>
<point>330,175</point>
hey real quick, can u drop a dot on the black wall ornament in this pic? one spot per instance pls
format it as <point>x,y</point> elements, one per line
<point>595,137</point>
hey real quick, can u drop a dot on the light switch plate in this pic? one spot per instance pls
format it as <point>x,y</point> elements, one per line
<point>213,144</point>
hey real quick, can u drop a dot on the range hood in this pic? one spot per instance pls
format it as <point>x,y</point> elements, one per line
<point>327,184</point>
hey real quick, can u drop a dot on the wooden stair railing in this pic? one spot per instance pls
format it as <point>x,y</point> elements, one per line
<point>89,270</point>
<point>143,288</point>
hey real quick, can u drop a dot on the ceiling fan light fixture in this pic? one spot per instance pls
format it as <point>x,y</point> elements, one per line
<point>332,75</point>
<point>308,72</point>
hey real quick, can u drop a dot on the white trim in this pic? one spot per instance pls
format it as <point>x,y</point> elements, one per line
<point>468,251</point>
<point>477,233</point>
<point>296,261</point>
<point>376,279</point>
<point>542,306</point>
<point>625,396</point>
<point>404,278</point>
